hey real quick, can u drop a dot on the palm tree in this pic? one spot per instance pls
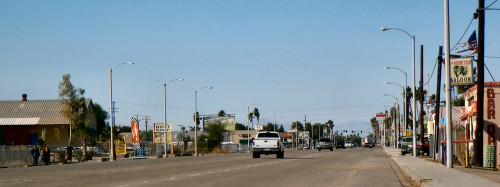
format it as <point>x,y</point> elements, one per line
<point>256,114</point>
<point>330,125</point>
<point>375,127</point>
<point>250,118</point>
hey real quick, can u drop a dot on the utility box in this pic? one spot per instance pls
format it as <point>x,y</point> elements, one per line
<point>489,156</point>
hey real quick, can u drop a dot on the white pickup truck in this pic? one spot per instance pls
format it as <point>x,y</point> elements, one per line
<point>268,143</point>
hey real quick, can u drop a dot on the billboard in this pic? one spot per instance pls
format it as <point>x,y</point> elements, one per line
<point>135,133</point>
<point>461,71</point>
<point>380,116</point>
<point>159,133</point>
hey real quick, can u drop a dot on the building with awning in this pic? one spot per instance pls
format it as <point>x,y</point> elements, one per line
<point>491,125</point>
<point>24,122</point>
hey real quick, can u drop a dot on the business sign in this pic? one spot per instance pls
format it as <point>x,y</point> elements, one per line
<point>159,133</point>
<point>135,133</point>
<point>120,147</point>
<point>380,116</point>
<point>461,71</point>
<point>303,134</point>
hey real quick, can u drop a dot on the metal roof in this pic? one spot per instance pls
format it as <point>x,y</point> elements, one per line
<point>33,112</point>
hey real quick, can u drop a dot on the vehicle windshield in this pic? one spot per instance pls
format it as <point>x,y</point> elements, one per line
<point>325,140</point>
<point>407,139</point>
<point>268,135</point>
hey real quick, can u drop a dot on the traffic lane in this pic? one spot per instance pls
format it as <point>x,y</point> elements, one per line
<point>354,167</point>
<point>298,167</point>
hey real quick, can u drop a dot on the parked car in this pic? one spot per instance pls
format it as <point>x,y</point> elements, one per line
<point>406,145</point>
<point>348,144</point>
<point>368,142</point>
<point>325,143</point>
<point>340,145</point>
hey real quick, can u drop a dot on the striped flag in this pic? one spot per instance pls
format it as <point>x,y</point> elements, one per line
<point>471,44</point>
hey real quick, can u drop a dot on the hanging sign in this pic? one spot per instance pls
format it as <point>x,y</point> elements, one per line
<point>461,71</point>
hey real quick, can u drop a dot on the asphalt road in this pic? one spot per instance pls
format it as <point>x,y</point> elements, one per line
<point>340,167</point>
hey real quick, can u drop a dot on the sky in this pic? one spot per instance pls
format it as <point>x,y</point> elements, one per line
<point>323,60</point>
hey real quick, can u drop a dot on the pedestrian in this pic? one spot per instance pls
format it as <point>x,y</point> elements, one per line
<point>35,152</point>
<point>46,155</point>
<point>69,153</point>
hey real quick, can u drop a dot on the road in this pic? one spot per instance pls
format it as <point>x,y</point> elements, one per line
<point>340,167</point>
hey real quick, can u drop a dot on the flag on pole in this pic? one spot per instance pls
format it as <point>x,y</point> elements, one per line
<point>471,44</point>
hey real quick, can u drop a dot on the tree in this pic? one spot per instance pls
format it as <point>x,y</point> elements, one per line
<point>196,119</point>
<point>268,127</point>
<point>239,126</point>
<point>74,109</point>
<point>101,117</point>
<point>215,136</point>
<point>250,118</point>
<point>297,125</point>
<point>281,129</point>
<point>256,114</point>
<point>330,125</point>
<point>221,113</point>
<point>375,126</point>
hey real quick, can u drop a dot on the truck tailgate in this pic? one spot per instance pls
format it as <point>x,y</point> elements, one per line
<point>266,143</point>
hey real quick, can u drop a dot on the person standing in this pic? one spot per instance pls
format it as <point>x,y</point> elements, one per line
<point>69,153</point>
<point>46,155</point>
<point>35,152</point>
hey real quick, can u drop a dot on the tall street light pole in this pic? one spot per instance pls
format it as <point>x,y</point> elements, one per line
<point>388,82</point>
<point>405,115</point>
<point>165,114</point>
<point>111,108</point>
<point>414,96</point>
<point>196,120</point>
<point>396,115</point>
<point>449,124</point>
<point>248,124</point>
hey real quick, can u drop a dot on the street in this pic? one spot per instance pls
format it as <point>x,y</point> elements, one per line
<point>340,167</point>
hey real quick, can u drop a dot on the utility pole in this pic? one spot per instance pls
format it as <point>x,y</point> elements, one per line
<point>478,141</point>
<point>421,115</point>
<point>146,119</point>
<point>305,121</point>
<point>438,102</point>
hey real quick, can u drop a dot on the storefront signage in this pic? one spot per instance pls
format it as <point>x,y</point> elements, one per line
<point>461,71</point>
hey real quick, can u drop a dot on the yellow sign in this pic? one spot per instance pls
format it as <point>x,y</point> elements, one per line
<point>120,147</point>
<point>159,133</point>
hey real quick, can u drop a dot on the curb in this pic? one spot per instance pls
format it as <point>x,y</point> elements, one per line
<point>413,175</point>
<point>416,178</point>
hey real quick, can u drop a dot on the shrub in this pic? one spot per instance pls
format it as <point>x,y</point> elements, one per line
<point>61,156</point>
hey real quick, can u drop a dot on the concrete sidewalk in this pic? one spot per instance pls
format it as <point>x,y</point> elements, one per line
<point>428,173</point>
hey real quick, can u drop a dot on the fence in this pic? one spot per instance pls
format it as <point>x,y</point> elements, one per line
<point>15,155</point>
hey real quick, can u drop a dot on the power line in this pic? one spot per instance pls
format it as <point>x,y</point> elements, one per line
<point>458,42</point>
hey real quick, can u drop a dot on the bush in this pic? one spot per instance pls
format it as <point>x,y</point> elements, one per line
<point>177,151</point>
<point>61,156</point>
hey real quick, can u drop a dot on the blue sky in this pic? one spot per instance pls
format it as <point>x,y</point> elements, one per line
<point>323,59</point>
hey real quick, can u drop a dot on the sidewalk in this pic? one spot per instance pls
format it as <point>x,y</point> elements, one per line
<point>428,173</point>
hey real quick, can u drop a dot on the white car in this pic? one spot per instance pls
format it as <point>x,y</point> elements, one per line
<point>348,144</point>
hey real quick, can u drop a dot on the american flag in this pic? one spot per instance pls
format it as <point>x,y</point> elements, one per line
<point>471,44</point>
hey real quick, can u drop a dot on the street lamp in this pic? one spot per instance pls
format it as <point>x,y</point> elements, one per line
<point>111,107</point>
<point>248,124</point>
<point>404,98</point>
<point>394,126</point>
<point>165,114</point>
<point>414,102</point>
<point>196,119</point>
